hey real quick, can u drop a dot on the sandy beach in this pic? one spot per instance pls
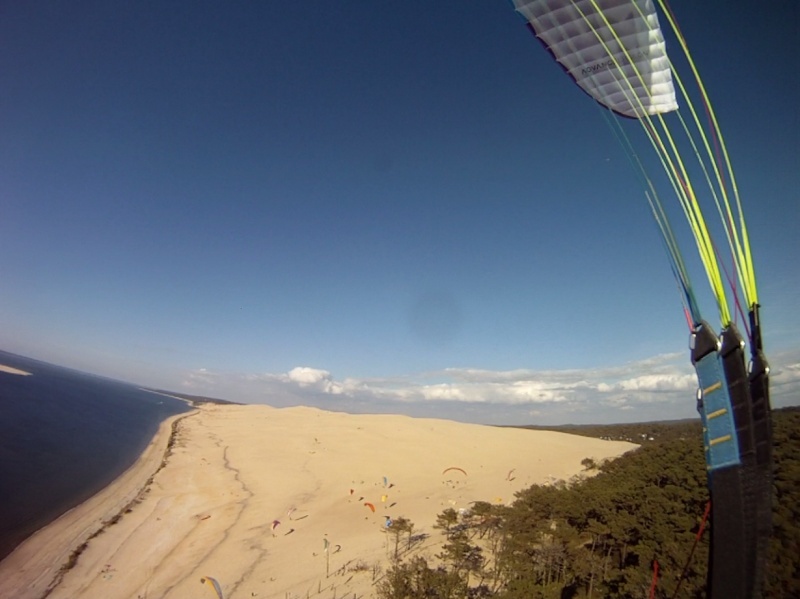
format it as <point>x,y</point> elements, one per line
<point>12,370</point>
<point>252,496</point>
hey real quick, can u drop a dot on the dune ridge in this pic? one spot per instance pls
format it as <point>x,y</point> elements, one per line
<point>289,502</point>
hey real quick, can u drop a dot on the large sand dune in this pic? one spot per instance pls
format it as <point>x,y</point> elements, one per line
<point>232,471</point>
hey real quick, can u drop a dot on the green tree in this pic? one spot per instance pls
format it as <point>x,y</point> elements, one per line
<point>416,580</point>
<point>446,520</point>
<point>463,557</point>
<point>599,538</point>
<point>399,527</point>
<point>783,570</point>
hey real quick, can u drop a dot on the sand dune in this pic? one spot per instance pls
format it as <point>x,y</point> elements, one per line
<point>233,471</point>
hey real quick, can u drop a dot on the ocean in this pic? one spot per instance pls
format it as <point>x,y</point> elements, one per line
<point>64,435</point>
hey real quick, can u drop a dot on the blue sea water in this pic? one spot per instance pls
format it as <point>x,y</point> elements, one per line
<point>64,435</point>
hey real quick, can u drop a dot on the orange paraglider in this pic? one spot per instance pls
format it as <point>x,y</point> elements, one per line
<point>369,505</point>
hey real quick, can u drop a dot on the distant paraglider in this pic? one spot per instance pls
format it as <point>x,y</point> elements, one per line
<point>456,468</point>
<point>212,582</point>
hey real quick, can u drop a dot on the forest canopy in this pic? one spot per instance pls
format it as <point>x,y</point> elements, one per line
<point>641,521</point>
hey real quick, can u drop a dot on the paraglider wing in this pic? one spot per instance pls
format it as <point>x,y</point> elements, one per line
<point>275,524</point>
<point>616,55</point>
<point>615,51</point>
<point>446,470</point>
<point>213,584</point>
<point>370,506</point>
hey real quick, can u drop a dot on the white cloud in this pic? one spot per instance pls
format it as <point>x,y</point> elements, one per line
<point>445,392</point>
<point>658,387</point>
<point>199,378</point>
<point>659,382</point>
<point>784,377</point>
<point>304,376</point>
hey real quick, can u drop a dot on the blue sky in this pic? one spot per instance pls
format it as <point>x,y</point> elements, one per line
<point>399,207</point>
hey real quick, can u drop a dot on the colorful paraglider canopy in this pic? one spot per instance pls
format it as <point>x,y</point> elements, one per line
<point>213,584</point>
<point>369,505</point>
<point>275,524</point>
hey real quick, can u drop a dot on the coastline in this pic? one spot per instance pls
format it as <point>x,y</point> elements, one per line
<point>276,502</point>
<point>38,563</point>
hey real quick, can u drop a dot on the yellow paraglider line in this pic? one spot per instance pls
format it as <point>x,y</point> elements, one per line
<point>750,402</point>
<point>678,174</point>
<point>685,192</point>
<point>743,249</point>
<point>730,232</point>
<point>688,201</point>
<point>657,209</point>
<point>690,305</point>
<point>740,252</point>
<point>685,189</point>
<point>662,140</point>
<point>725,215</point>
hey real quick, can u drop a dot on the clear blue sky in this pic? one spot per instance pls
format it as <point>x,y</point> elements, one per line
<point>368,206</point>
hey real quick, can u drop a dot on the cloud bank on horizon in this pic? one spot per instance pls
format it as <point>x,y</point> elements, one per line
<point>657,388</point>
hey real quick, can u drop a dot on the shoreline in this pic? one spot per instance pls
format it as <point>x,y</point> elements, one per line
<point>289,502</point>
<point>39,563</point>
